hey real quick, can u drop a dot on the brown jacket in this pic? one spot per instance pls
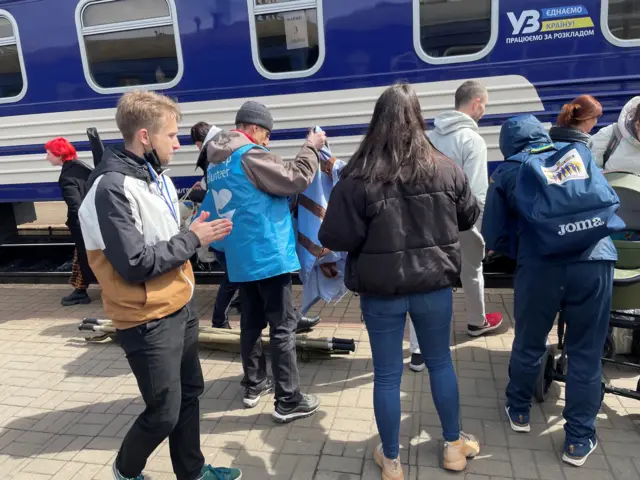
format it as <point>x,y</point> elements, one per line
<point>265,169</point>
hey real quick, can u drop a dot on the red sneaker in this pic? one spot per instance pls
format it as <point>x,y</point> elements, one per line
<point>491,322</point>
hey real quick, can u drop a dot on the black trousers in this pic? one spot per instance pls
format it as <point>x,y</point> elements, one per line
<point>87,274</point>
<point>163,355</point>
<point>226,291</point>
<point>268,302</point>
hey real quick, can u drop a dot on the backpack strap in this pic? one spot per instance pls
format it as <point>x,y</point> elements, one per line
<point>614,141</point>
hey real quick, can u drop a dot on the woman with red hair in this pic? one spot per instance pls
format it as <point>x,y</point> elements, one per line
<point>576,120</point>
<point>73,184</point>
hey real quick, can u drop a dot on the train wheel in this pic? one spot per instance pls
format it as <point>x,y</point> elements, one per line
<point>545,377</point>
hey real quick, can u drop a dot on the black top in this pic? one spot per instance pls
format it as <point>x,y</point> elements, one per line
<point>74,186</point>
<point>401,238</point>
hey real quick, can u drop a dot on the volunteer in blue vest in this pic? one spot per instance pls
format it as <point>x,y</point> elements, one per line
<point>250,185</point>
<point>577,282</point>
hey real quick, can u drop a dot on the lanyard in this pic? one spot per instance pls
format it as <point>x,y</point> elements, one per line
<point>163,188</point>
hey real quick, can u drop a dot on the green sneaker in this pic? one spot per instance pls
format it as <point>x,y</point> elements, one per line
<point>118,476</point>
<point>220,473</point>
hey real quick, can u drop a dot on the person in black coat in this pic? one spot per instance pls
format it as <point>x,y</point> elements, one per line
<point>397,211</point>
<point>73,184</point>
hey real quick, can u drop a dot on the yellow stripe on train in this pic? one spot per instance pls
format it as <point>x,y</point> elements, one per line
<point>567,24</point>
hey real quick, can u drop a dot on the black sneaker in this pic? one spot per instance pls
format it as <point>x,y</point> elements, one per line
<point>76,298</point>
<point>252,397</point>
<point>417,363</point>
<point>307,407</point>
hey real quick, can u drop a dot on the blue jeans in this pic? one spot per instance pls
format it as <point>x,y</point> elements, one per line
<point>385,318</point>
<point>582,291</point>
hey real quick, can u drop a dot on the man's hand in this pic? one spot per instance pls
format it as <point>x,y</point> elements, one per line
<point>329,270</point>
<point>197,185</point>
<point>209,232</point>
<point>318,139</point>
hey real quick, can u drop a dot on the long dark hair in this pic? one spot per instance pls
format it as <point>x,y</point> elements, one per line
<point>395,144</point>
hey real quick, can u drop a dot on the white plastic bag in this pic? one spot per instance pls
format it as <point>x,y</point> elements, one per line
<point>188,212</point>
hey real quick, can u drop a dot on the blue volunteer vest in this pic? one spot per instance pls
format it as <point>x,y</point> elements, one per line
<point>262,242</point>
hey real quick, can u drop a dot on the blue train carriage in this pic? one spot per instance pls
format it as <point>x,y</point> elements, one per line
<point>65,62</point>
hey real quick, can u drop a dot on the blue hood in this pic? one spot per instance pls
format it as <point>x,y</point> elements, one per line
<point>523,131</point>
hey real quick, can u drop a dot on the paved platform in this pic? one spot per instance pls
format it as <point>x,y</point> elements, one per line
<point>65,406</point>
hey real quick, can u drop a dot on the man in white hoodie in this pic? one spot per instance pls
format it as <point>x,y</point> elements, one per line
<point>456,135</point>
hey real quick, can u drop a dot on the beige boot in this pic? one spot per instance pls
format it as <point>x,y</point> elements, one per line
<point>391,469</point>
<point>456,453</point>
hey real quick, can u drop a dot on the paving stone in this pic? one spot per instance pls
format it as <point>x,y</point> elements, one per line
<point>65,405</point>
<point>324,475</point>
<point>623,468</point>
<point>340,464</point>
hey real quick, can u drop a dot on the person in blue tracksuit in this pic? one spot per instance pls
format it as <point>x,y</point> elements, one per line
<point>579,285</point>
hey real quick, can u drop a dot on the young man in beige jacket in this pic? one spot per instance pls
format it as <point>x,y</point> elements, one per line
<point>131,230</point>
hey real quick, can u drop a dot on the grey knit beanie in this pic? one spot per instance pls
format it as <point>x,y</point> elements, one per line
<point>254,113</point>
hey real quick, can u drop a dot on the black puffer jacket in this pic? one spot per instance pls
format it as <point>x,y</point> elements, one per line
<point>401,238</point>
<point>73,183</point>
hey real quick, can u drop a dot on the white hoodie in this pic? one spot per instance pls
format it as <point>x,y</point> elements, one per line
<point>456,135</point>
<point>627,155</point>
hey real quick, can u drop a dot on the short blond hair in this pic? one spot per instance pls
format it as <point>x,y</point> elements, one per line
<point>142,109</point>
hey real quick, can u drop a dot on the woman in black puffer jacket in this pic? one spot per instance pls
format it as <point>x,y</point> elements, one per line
<point>397,211</point>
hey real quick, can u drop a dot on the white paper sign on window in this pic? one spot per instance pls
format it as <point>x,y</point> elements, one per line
<point>295,28</point>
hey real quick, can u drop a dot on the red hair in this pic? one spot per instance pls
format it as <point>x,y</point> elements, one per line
<point>583,108</point>
<point>61,147</point>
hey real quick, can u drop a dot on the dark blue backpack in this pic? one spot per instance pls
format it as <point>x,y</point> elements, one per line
<point>564,200</point>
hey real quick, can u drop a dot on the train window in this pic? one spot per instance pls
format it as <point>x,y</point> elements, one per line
<point>287,37</point>
<point>13,81</point>
<point>621,22</point>
<point>448,31</point>
<point>129,43</point>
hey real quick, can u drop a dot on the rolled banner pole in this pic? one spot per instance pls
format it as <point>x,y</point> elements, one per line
<point>210,336</point>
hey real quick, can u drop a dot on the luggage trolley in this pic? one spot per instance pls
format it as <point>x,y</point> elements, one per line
<point>625,303</point>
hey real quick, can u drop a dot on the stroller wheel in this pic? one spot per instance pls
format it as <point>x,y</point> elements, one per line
<point>609,347</point>
<point>545,377</point>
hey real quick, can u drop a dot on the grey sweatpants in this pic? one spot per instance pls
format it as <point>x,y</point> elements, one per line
<point>472,248</point>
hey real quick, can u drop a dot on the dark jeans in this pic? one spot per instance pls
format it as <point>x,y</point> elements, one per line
<point>583,292</point>
<point>385,318</point>
<point>225,294</point>
<point>268,302</point>
<point>163,355</point>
